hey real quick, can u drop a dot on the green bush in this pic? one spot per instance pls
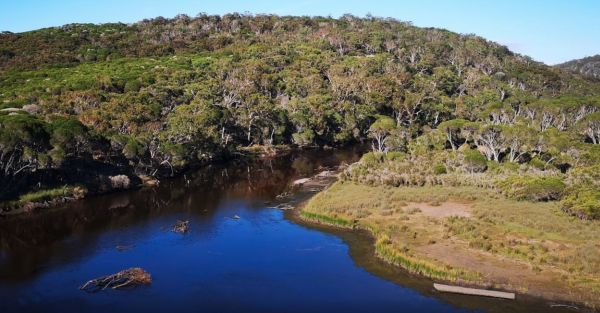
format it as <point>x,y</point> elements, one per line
<point>133,86</point>
<point>134,148</point>
<point>304,138</point>
<point>371,159</point>
<point>395,156</point>
<point>533,188</point>
<point>474,161</point>
<point>439,169</point>
<point>584,202</point>
<point>537,163</point>
<point>509,166</point>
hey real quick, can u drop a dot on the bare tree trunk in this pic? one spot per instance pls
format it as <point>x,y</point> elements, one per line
<point>451,141</point>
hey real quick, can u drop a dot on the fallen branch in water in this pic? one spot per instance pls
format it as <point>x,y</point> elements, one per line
<point>129,277</point>
<point>181,227</point>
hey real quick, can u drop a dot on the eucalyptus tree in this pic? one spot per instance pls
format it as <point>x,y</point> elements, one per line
<point>380,131</point>
<point>490,141</point>
<point>453,130</point>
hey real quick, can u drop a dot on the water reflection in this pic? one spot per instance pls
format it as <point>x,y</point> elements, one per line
<point>67,233</point>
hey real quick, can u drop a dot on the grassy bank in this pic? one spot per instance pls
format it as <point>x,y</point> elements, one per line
<point>42,198</point>
<point>470,235</point>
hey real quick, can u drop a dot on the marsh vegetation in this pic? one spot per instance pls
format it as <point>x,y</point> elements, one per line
<point>471,235</point>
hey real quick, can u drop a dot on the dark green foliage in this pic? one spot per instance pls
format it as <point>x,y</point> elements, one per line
<point>22,139</point>
<point>67,132</point>
<point>134,149</point>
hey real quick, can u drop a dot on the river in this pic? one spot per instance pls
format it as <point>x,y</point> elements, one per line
<point>263,261</point>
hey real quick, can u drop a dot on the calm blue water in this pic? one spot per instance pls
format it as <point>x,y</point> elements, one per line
<point>261,262</point>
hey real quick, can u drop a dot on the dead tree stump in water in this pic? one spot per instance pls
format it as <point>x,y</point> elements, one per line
<point>181,227</point>
<point>130,277</point>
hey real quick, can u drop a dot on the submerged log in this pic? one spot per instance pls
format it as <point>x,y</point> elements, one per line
<point>122,248</point>
<point>130,277</point>
<point>474,291</point>
<point>181,227</point>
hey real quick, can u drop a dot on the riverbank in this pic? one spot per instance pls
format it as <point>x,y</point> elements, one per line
<point>471,237</point>
<point>95,179</point>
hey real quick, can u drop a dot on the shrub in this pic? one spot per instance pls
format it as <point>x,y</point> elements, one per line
<point>439,169</point>
<point>304,138</point>
<point>582,198</point>
<point>134,148</point>
<point>509,166</point>
<point>395,156</point>
<point>371,159</point>
<point>537,163</point>
<point>133,86</point>
<point>474,161</point>
<point>585,176</point>
<point>583,202</point>
<point>533,188</point>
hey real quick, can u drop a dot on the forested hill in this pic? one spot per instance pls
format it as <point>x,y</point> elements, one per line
<point>589,66</point>
<point>164,93</point>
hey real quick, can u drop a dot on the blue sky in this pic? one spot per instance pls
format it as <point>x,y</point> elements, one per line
<point>551,31</point>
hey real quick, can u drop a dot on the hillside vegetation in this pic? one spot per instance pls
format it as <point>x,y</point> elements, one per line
<point>589,66</point>
<point>157,96</point>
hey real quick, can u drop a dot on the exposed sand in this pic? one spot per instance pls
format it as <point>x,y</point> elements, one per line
<point>445,209</point>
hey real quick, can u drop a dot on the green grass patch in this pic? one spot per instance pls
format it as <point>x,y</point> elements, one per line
<point>326,219</point>
<point>39,196</point>
<point>47,194</point>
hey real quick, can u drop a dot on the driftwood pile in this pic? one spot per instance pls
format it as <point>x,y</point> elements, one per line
<point>130,277</point>
<point>181,227</point>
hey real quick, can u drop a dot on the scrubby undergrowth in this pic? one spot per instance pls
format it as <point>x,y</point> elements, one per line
<point>427,164</point>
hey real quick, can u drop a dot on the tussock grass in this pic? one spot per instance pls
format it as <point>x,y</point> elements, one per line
<point>39,196</point>
<point>326,219</point>
<point>47,194</point>
<point>397,256</point>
